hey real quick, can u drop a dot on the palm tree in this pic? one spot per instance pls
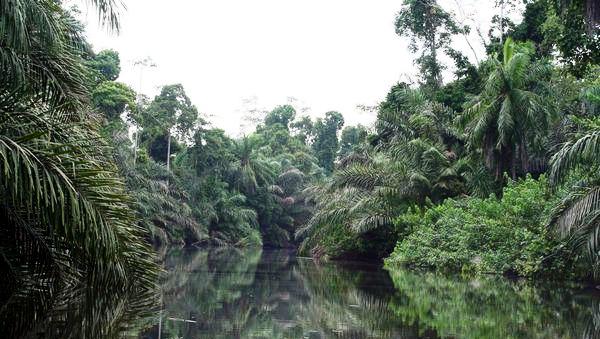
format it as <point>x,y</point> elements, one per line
<point>65,218</point>
<point>508,114</point>
<point>235,224</point>
<point>161,203</point>
<point>41,52</point>
<point>414,162</point>
<point>364,196</point>
<point>252,170</point>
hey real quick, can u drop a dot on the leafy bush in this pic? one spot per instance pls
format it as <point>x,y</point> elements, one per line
<point>507,235</point>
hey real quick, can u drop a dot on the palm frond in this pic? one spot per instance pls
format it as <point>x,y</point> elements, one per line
<point>583,151</point>
<point>365,177</point>
<point>575,209</point>
<point>592,94</point>
<point>506,122</point>
<point>108,12</point>
<point>61,193</point>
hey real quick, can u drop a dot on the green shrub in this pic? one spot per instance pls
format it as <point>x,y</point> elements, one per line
<point>472,235</point>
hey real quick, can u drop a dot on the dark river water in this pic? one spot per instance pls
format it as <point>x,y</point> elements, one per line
<point>228,293</point>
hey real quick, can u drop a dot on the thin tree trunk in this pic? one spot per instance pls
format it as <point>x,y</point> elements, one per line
<point>168,149</point>
<point>524,157</point>
<point>437,75</point>
<point>464,34</point>
<point>135,146</point>
<point>501,24</point>
<point>513,166</point>
<point>592,14</point>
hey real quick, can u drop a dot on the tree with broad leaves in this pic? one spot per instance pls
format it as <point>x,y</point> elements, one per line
<point>112,98</point>
<point>429,28</point>
<point>283,115</point>
<point>171,111</point>
<point>303,129</point>
<point>106,65</point>
<point>326,142</point>
<point>352,137</point>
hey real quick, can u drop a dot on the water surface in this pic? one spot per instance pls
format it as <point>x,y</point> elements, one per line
<point>228,293</point>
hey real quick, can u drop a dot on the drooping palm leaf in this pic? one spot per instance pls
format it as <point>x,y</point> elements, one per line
<point>578,214</point>
<point>65,213</point>
<point>585,150</point>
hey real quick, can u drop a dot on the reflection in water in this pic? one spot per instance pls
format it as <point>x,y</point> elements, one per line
<point>227,293</point>
<point>97,308</point>
<point>492,307</point>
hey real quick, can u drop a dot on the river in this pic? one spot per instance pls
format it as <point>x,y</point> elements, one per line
<point>254,293</point>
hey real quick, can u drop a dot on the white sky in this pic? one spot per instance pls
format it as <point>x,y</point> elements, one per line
<point>328,54</point>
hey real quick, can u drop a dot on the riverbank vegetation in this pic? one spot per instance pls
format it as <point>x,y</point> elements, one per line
<point>491,170</point>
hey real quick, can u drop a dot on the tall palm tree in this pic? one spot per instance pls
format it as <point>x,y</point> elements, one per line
<point>65,219</point>
<point>161,203</point>
<point>414,162</point>
<point>504,119</point>
<point>235,224</point>
<point>252,170</point>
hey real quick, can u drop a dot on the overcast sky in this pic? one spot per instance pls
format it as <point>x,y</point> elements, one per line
<point>231,55</point>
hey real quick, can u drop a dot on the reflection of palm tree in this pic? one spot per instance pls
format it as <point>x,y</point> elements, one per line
<point>272,298</point>
<point>272,295</point>
<point>336,300</point>
<point>209,285</point>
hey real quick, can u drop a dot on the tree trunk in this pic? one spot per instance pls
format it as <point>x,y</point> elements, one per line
<point>501,24</point>
<point>524,157</point>
<point>507,162</point>
<point>513,166</point>
<point>168,149</point>
<point>135,146</point>
<point>592,14</point>
<point>437,75</point>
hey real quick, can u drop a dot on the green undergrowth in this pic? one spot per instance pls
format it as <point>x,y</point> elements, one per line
<point>501,236</point>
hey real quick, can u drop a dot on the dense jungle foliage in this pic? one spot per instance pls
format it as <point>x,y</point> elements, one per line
<point>488,165</point>
<point>493,169</point>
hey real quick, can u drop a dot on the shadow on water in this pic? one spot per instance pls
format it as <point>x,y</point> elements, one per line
<point>228,293</point>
